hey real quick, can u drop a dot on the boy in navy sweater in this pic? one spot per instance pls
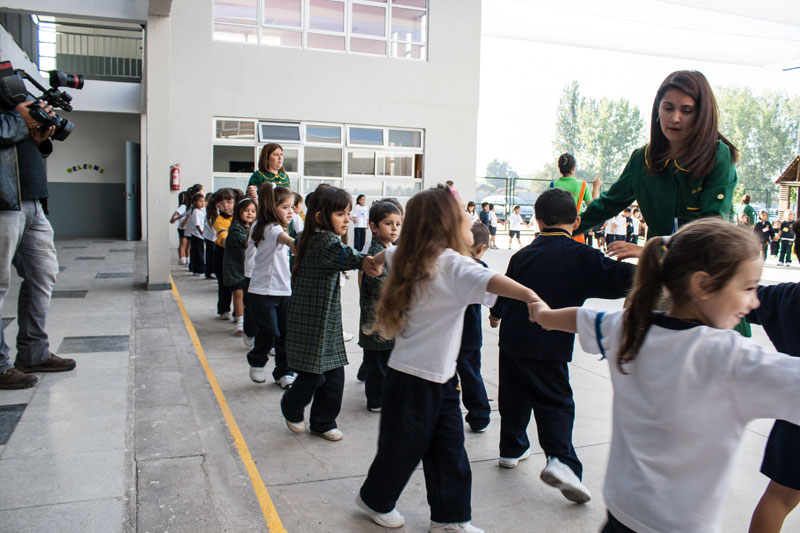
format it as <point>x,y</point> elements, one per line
<point>468,366</point>
<point>533,362</point>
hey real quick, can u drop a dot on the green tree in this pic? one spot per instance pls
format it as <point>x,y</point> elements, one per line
<point>610,131</point>
<point>568,133</point>
<point>500,169</point>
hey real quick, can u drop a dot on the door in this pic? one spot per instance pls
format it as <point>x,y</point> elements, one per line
<point>133,227</point>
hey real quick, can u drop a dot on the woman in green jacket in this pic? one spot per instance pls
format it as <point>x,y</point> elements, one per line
<point>685,172</point>
<point>270,168</point>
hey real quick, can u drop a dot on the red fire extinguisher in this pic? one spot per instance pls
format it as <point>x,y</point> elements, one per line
<point>175,177</point>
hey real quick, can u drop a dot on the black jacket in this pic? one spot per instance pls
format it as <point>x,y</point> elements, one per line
<point>564,273</point>
<point>13,130</point>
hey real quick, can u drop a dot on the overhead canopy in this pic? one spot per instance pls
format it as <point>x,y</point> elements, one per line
<point>743,32</point>
<point>792,172</point>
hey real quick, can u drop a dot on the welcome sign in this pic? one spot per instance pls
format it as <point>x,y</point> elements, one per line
<point>85,166</point>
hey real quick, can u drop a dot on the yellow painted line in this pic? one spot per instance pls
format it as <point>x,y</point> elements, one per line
<point>267,507</point>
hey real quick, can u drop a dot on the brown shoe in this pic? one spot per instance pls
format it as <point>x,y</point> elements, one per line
<point>53,364</point>
<point>14,379</point>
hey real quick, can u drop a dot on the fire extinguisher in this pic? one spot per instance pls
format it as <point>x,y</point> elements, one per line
<point>175,177</point>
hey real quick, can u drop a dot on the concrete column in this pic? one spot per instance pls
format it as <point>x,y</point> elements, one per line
<point>158,42</point>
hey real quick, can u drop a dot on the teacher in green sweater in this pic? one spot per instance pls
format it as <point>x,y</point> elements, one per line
<point>685,172</point>
<point>270,168</point>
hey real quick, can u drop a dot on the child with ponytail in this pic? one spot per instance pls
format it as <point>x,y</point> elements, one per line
<point>431,281</point>
<point>685,384</point>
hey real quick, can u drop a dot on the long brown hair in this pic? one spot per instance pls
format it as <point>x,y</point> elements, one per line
<point>702,143</point>
<point>707,245</point>
<point>223,194</point>
<point>263,158</point>
<point>269,198</point>
<point>325,200</point>
<point>432,223</point>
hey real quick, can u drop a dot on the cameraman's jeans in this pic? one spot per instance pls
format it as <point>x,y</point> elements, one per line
<point>26,241</point>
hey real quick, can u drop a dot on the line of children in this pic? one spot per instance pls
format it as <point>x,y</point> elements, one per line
<point>533,371</point>
<point>197,220</point>
<point>685,385</point>
<point>385,220</point>
<point>422,306</point>
<point>224,199</point>
<point>233,260</point>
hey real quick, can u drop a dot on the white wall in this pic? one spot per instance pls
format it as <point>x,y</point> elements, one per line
<point>234,80</point>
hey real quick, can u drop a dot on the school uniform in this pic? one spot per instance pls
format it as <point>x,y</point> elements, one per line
<point>376,349</point>
<point>483,216</point>
<point>221,225</point>
<point>778,312</point>
<point>515,226</point>
<point>620,228</point>
<point>209,234</point>
<point>249,262</point>
<point>361,214</point>
<point>473,390</point>
<point>533,372</point>
<point>421,417</point>
<point>314,343</point>
<point>787,239</point>
<point>492,223</point>
<point>679,414</point>
<point>763,231</point>
<point>196,254</point>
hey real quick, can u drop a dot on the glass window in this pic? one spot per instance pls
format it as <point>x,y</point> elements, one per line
<point>395,165</point>
<point>368,46</point>
<point>325,42</point>
<point>279,132</point>
<point>235,11</point>
<point>411,3</point>
<point>372,188</point>
<point>234,182</point>
<point>361,163</point>
<point>292,39</point>
<point>291,157</point>
<point>323,134</point>
<point>371,136</point>
<point>234,159</point>
<point>326,15</point>
<point>408,51</point>
<point>411,139</point>
<point>318,161</point>
<point>235,129</point>
<point>402,188</point>
<point>368,20</point>
<point>235,34</point>
<point>409,25</point>
<point>282,13</point>
<point>309,185</point>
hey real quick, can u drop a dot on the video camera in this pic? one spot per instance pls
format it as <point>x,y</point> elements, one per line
<point>13,91</point>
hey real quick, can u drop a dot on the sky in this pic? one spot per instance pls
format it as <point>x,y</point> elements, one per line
<point>521,80</point>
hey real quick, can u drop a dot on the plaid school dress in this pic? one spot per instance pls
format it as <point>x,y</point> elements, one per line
<point>368,300</point>
<point>314,340</point>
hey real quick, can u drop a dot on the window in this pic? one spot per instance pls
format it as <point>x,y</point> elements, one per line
<point>269,132</point>
<point>407,138</point>
<point>325,162</point>
<point>235,129</point>
<point>361,163</point>
<point>397,28</point>
<point>395,165</point>
<point>365,136</point>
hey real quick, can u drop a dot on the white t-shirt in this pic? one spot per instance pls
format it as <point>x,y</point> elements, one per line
<point>492,219</point>
<point>475,217</point>
<point>428,344</point>
<point>250,253</point>
<point>181,212</point>
<point>270,276</point>
<point>209,233</point>
<point>198,218</point>
<point>516,222</point>
<point>361,212</point>
<point>636,223</point>
<point>679,415</point>
<point>621,223</point>
<point>299,225</point>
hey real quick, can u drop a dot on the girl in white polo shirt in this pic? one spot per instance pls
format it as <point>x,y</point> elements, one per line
<point>685,384</point>
<point>430,284</point>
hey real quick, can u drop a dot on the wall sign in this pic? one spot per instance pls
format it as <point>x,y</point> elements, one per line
<point>86,166</point>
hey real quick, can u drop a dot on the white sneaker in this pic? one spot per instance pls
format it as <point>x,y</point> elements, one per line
<point>347,336</point>
<point>239,331</point>
<point>272,352</point>
<point>558,475</point>
<point>296,427</point>
<point>257,374</point>
<point>224,316</point>
<point>286,381</point>
<point>391,519</point>
<point>455,527</point>
<point>512,462</point>
<point>249,341</point>
<point>332,434</point>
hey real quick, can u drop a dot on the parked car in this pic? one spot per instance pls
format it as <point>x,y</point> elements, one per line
<point>499,201</point>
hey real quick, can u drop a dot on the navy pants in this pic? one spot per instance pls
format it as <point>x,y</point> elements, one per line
<point>324,392</point>
<point>268,314</point>
<point>359,238</point>
<point>615,526</point>
<point>375,364</point>
<point>196,262</point>
<point>249,323</point>
<point>543,387</point>
<point>473,391</point>
<point>224,294</point>
<point>786,251</point>
<point>209,257</point>
<point>421,420</point>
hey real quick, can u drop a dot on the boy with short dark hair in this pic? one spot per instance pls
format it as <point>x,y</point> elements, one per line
<point>533,368</point>
<point>468,365</point>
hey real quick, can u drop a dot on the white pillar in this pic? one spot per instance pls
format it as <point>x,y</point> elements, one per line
<point>158,39</point>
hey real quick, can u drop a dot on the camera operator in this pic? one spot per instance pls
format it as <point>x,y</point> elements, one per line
<point>26,241</point>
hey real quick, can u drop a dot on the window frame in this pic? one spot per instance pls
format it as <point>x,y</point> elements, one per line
<point>261,140</point>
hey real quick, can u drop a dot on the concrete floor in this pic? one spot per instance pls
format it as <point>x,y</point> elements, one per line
<point>134,439</point>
